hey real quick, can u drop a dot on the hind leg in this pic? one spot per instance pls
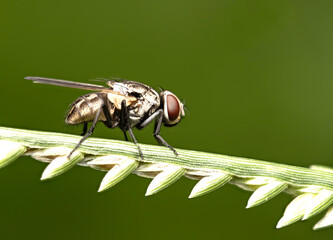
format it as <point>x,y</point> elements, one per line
<point>85,129</point>
<point>90,131</point>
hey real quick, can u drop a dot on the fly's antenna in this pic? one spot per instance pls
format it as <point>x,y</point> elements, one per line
<point>186,109</point>
<point>161,88</point>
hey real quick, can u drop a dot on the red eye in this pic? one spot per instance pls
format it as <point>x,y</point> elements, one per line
<point>172,107</point>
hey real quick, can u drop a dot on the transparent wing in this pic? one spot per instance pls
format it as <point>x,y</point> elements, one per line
<point>70,84</point>
<point>79,85</point>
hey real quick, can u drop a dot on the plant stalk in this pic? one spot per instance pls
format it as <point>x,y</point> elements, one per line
<point>188,159</point>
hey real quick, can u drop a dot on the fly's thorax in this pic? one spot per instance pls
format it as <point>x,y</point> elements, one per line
<point>147,104</point>
<point>173,108</point>
<point>128,88</point>
<point>141,100</point>
<point>135,89</point>
<point>85,108</point>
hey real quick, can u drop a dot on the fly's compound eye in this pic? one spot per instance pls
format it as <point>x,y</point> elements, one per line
<point>173,108</point>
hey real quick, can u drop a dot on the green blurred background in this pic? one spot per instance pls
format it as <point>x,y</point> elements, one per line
<point>256,77</point>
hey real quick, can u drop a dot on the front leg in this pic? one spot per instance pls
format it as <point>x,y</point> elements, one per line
<point>158,116</point>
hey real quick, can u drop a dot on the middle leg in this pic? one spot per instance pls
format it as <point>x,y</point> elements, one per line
<point>125,125</point>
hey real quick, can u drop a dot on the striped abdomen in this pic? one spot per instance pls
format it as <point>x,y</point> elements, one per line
<point>85,108</point>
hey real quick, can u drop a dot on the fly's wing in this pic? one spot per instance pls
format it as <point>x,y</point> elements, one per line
<point>85,86</point>
<point>70,84</point>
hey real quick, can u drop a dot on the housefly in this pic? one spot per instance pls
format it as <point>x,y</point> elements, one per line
<point>124,104</point>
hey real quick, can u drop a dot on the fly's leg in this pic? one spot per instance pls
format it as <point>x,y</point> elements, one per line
<point>90,131</point>
<point>107,115</point>
<point>108,122</point>
<point>150,119</point>
<point>157,135</point>
<point>85,129</point>
<point>135,141</point>
<point>125,135</point>
<point>158,116</point>
<point>125,124</point>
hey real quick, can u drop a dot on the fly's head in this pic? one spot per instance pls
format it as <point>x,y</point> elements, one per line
<point>173,108</point>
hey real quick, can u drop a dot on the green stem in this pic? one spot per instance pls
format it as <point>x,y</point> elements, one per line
<point>188,159</point>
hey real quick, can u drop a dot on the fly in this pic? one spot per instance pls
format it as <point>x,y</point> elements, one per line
<point>124,104</point>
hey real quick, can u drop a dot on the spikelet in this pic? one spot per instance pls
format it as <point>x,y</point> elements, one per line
<point>164,179</point>
<point>265,193</point>
<point>326,221</point>
<point>61,164</point>
<point>10,151</point>
<point>321,201</point>
<point>121,170</point>
<point>209,184</point>
<point>295,210</point>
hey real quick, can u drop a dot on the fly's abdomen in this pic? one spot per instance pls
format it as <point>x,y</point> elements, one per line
<point>85,108</point>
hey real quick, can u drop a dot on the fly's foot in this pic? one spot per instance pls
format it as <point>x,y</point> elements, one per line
<point>174,151</point>
<point>140,151</point>
<point>161,141</point>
